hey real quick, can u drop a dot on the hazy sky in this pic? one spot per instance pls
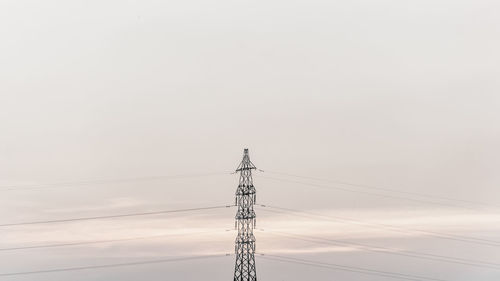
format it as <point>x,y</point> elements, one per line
<point>395,94</point>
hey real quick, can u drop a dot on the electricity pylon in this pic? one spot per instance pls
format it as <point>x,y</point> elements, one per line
<point>244,269</point>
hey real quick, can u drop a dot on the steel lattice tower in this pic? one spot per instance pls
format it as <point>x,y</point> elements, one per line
<point>244,269</point>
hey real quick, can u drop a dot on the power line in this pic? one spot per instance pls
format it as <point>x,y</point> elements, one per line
<point>372,193</point>
<point>355,269</point>
<point>116,216</point>
<point>112,265</point>
<point>389,227</point>
<point>424,195</point>
<point>69,244</point>
<point>390,251</point>
<point>102,181</point>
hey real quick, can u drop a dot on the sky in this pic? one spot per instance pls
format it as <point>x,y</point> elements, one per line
<point>153,102</point>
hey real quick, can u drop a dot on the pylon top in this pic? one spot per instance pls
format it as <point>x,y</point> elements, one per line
<point>246,164</point>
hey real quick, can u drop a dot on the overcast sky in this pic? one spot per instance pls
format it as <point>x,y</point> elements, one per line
<point>392,94</point>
